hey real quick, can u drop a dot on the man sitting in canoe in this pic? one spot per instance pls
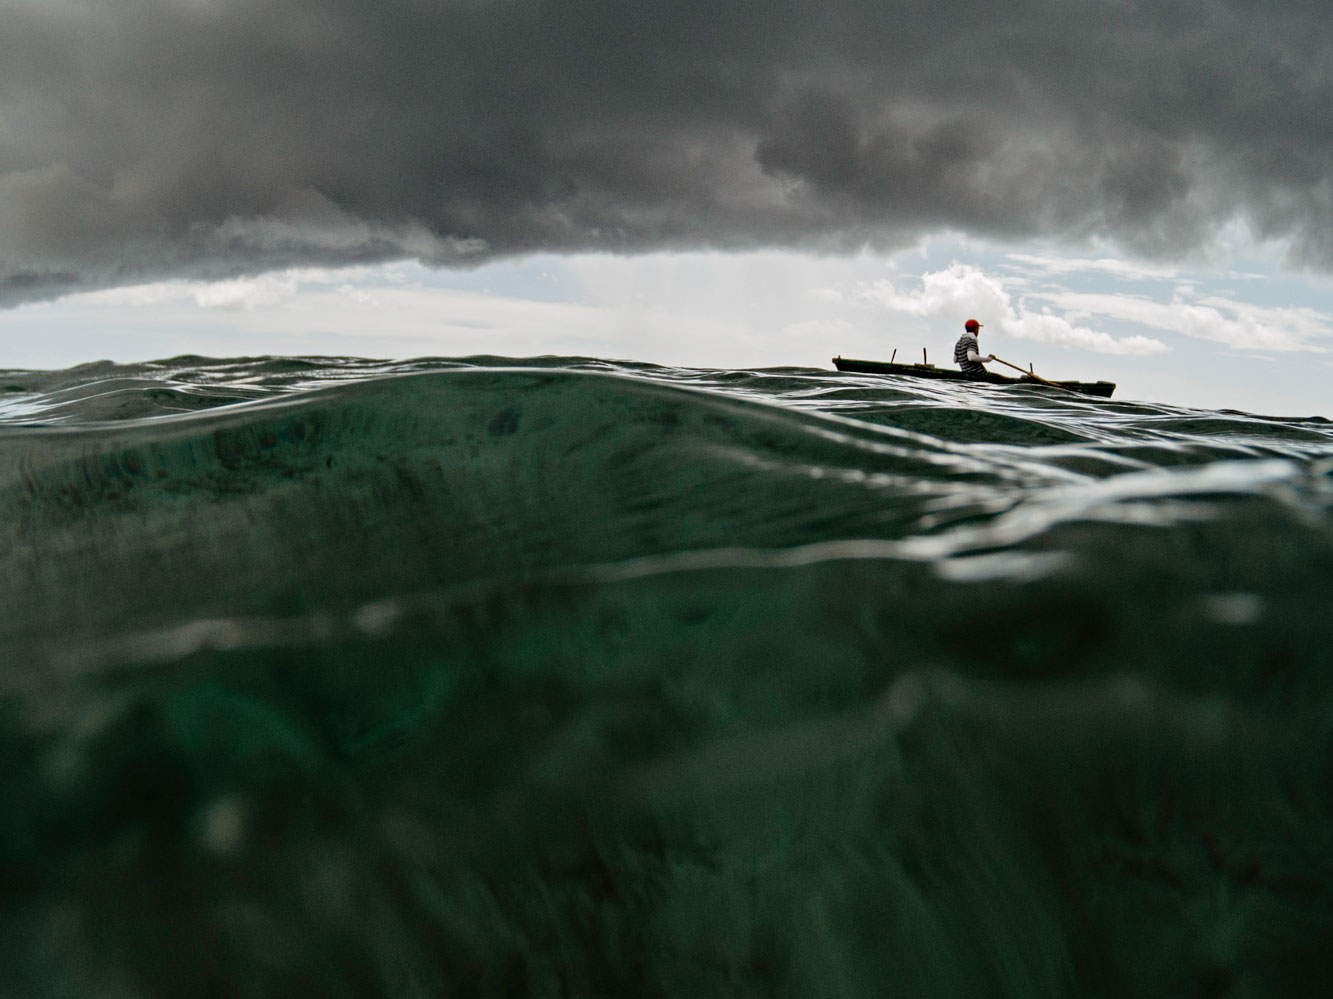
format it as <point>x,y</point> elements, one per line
<point>965,352</point>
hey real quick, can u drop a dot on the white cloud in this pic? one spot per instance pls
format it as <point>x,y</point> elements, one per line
<point>965,291</point>
<point>231,294</point>
<point>1221,320</point>
<point>958,289</point>
<point>1301,323</point>
<point>1109,266</point>
<point>1061,331</point>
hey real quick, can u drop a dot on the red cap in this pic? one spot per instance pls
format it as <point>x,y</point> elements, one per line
<point>971,324</point>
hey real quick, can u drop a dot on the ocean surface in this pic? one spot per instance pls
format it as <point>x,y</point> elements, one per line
<point>566,677</point>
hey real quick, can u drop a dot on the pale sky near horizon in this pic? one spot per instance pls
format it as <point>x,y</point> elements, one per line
<point>1206,338</point>
<point>1135,191</point>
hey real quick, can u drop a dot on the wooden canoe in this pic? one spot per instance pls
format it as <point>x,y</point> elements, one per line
<point>1103,389</point>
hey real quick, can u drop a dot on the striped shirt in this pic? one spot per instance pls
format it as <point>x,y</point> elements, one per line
<point>966,342</point>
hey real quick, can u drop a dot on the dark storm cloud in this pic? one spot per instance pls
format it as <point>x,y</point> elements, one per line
<point>144,138</point>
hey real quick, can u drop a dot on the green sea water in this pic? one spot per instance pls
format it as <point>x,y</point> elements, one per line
<point>565,677</point>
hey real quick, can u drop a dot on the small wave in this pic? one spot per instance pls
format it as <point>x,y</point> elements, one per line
<point>563,674</point>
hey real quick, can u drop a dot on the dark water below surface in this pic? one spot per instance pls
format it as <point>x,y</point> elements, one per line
<point>573,678</point>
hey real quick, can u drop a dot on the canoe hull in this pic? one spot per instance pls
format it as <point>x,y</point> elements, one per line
<point>1102,389</point>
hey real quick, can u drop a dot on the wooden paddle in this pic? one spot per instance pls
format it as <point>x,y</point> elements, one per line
<point>1034,377</point>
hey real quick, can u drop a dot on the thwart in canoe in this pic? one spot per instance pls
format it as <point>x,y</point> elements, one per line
<point>1103,389</point>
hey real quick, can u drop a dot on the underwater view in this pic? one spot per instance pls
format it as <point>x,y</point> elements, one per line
<point>569,677</point>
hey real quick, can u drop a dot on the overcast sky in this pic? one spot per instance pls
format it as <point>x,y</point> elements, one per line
<point>1131,183</point>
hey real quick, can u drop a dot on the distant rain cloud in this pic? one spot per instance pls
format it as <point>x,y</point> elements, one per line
<point>202,140</point>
